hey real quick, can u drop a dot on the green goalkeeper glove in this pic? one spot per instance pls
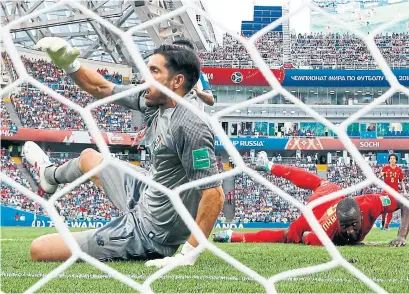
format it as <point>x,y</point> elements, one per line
<point>61,53</point>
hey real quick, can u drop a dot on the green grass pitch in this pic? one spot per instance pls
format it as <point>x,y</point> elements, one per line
<point>389,267</point>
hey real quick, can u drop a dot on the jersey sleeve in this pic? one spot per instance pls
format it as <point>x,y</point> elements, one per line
<point>401,177</point>
<point>136,102</point>
<point>133,101</point>
<point>383,203</point>
<point>204,81</point>
<point>384,169</point>
<point>194,143</point>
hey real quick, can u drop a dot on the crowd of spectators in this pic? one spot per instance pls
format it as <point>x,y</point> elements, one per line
<point>315,50</point>
<point>83,202</point>
<point>38,110</point>
<point>5,116</point>
<point>269,46</point>
<point>10,196</point>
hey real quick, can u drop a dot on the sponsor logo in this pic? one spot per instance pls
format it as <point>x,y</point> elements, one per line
<point>157,143</point>
<point>7,133</point>
<point>386,201</point>
<point>370,144</point>
<point>201,158</point>
<point>242,143</point>
<point>116,139</point>
<point>228,226</point>
<point>100,240</point>
<point>237,77</point>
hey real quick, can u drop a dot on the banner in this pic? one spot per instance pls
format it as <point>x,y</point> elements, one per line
<point>61,136</point>
<point>239,77</point>
<point>296,143</point>
<point>341,78</point>
<point>263,225</point>
<point>303,78</point>
<point>301,143</point>
<point>336,144</point>
<point>255,143</point>
<point>11,217</point>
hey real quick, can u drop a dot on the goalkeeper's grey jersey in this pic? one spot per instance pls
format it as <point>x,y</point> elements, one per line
<point>181,145</point>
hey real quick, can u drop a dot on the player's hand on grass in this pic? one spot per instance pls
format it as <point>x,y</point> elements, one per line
<point>187,256</point>
<point>178,259</point>
<point>398,242</point>
<point>61,53</point>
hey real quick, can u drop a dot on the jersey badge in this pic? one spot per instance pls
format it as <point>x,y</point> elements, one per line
<point>201,158</point>
<point>386,201</point>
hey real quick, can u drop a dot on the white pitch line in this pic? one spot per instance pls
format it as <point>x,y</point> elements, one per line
<point>203,278</point>
<point>16,240</point>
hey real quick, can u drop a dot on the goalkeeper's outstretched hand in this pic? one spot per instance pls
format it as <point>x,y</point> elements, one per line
<point>61,53</point>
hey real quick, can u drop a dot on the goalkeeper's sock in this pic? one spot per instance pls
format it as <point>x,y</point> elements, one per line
<point>299,177</point>
<point>66,173</point>
<point>264,236</point>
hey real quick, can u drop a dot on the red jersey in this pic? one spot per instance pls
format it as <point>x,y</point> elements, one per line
<point>392,176</point>
<point>371,205</point>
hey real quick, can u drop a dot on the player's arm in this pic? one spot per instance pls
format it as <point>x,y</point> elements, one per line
<point>206,95</point>
<point>388,204</point>
<point>401,179</point>
<point>195,147</point>
<point>310,238</point>
<point>382,173</point>
<point>209,209</point>
<point>92,82</point>
<point>65,57</point>
<point>404,225</point>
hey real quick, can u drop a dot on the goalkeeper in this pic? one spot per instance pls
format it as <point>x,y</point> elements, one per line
<point>345,220</point>
<point>181,145</point>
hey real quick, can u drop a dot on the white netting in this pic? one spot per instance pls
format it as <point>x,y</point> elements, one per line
<point>268,283</point>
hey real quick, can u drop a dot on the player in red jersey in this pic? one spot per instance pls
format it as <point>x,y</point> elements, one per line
<point>345,220</point>
<point>391,174</point>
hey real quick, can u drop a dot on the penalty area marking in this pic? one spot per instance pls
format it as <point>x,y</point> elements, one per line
<point>203,278</point>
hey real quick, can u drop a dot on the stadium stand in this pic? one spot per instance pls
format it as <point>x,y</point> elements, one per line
<point>37,110</point>
<point>11,197</point>
<point>5,116</point>
<point>318,50</point>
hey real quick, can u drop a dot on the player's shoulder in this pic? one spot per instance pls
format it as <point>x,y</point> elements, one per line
<point>184,120</point>
<point>367,198</point>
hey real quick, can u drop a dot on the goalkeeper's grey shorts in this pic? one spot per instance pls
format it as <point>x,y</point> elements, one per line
<point>122,238</point>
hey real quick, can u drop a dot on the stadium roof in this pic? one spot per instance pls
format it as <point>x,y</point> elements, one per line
<point>94,40</point>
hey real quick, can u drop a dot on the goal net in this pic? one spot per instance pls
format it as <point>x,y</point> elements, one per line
<point>269,283</point>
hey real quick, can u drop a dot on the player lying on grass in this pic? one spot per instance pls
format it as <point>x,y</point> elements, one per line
<point>182,150</point>
<point>345,220</point>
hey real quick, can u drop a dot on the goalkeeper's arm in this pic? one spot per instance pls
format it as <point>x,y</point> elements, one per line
<point>92,82</point>
<point>65,57</point>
